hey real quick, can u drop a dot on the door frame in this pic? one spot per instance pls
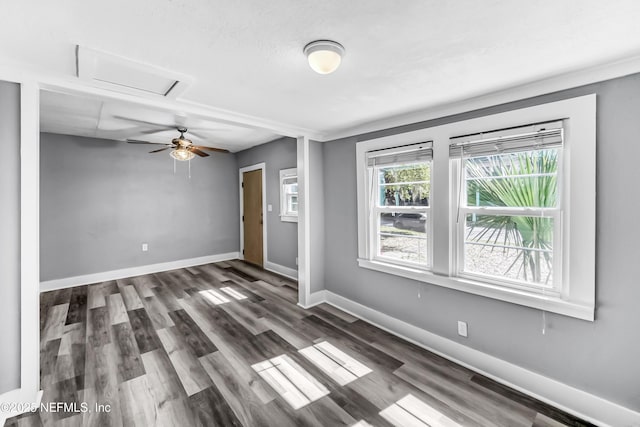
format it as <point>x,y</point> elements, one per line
<point>263,167</point>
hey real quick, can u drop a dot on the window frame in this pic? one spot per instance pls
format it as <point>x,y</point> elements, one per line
<point>577,296</point>
<point>285,214</point>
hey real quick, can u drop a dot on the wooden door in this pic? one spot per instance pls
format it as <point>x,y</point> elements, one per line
<point>252,216</point>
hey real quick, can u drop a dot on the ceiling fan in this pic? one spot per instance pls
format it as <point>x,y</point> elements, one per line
<point>182,148</point>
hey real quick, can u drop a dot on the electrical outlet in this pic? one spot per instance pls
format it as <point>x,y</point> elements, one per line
<point>462,328</point>
<point>145,247</point>
<point>269,208</point>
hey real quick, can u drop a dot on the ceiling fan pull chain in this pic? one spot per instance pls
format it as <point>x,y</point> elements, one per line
<point>189,169</point>
<point>174,166</point>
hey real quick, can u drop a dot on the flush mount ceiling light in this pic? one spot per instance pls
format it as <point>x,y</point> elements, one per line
<point>324,56</point>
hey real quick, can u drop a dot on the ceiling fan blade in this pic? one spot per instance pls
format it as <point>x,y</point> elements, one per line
<point>164,127</point>
<point>137,141</point>
<point>198,152</point>
<point>202,147</point>
<point>129,119</point>
<point>209,129</point>
<point>196,134</point>
<point>150,132</point>
<point>159,150</point>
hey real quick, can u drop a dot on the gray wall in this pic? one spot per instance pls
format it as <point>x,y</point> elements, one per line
<point>601,357</point>
<point>101,199</point>
<point>282,237</point>
<point>10,237</point>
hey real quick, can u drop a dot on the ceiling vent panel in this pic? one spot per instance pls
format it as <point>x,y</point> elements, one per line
<point>125,75</point>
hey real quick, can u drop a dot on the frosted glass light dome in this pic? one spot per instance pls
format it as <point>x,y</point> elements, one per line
<point>324,56</point>
<point>182,154</point>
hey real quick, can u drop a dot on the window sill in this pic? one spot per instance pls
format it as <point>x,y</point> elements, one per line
<point>288,218</point>
<point>529,299</point>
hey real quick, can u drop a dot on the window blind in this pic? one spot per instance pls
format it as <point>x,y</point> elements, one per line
<point>532,137</point>
<point>402,155</point>
<point>289,180</point>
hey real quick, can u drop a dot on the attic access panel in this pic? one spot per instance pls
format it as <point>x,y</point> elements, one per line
<point>125,75</point>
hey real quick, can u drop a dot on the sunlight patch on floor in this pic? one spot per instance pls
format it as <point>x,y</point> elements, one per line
<point>296,386</point>
<point>412,412</point>
<point>215,297</point>
<point>233,293</point>
<point>338,365</point>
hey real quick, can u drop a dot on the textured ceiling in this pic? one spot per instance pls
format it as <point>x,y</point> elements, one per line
<point>401,56</point>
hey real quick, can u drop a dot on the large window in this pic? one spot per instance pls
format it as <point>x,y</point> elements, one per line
<point>399,220</point>
<point>501,206</point>
<point>509,206</point>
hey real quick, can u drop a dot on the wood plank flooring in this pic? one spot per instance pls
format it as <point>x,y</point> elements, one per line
<point>225,344</point>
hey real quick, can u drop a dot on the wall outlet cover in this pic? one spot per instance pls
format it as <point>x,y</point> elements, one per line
<point>462,329</point>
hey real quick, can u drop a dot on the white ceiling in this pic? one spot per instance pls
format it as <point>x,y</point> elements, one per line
<point>246,57</point>
<point>119,120</point>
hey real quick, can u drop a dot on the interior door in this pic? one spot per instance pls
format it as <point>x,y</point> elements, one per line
<point>252,216</point>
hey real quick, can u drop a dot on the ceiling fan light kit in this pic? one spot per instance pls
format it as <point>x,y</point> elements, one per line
<point>183,146</point>
<point>324,56</point>
<point>182,149</point>
<point>182,154</point>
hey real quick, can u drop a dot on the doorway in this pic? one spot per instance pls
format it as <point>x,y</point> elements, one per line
<point>252,214</point>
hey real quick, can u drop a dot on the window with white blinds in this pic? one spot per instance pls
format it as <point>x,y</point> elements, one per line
<point>536,136</point>
<point>403,155</point>
<point>509,208</point>
<point>501,206</point>
<point>398,206</point>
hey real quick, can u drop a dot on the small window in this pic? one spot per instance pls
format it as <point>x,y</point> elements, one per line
<point>400,182</point>
<point>289,195</point>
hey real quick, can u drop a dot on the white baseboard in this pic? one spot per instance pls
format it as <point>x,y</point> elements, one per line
<point>281,269</point>
<point>104,276</point>
<point>572,400</point>
<point>22,399</point>
<point>315,299</point>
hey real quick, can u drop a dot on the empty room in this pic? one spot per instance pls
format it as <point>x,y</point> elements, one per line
<point>296,213</point>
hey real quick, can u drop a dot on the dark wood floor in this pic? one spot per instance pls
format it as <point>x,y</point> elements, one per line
<point>225,344</point>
